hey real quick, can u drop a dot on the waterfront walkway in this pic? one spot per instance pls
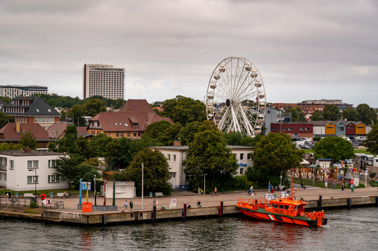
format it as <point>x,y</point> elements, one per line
<point>230,198</point>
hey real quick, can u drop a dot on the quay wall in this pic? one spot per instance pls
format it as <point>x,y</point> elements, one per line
<point>136,216</point>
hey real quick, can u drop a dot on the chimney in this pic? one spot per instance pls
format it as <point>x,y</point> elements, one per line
<point>18,127</point>
<point>177,143</point>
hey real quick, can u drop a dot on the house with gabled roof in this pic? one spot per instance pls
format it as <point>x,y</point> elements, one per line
<point>32,110</point>
<point>130,122</point>
<point>12,133</point>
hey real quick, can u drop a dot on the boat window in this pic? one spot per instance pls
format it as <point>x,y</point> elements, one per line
<point>286,207</point>
<point>281,206</point>
<point>274,205</point>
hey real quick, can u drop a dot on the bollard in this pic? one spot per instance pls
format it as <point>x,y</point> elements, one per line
<point>184,213</point>
<point>349,203</point>
<point>104,219</point>
<point>320,203</point>
<point>221,209</point>
<point>376,201</point>
<point>154,214</point>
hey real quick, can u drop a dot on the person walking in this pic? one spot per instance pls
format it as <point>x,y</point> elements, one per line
<point>125,204</point>
<point>342,186</point>
<point>131,205</point>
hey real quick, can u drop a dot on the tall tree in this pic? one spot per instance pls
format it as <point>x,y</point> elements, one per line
<point>98,144</point>
<point>297,114</point>
<point>366,114</point>
<point>94,107</point>
<point>208,154</point>
<point>335,148</point>
<point>350,114</point>
<point>316,116</point>
<point>273,156</point>
<point>184,110</point>
<point>120,152</point>
<point>77,115</point>
<point>371,141</point>
<point>156,172</point>
<point>331,112</point>
<point>28,140</point>
<point>5,119</point>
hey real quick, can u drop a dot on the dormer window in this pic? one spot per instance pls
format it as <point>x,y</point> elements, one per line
<point>126,124</point>
<point>37,110</point>
<point>49,110</point>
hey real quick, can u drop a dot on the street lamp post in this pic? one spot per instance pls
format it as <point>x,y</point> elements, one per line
<point>204,183</point>
<point>94,181</point>
<point>142,183</point>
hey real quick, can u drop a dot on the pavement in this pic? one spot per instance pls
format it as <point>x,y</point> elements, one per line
<point>310,193</point>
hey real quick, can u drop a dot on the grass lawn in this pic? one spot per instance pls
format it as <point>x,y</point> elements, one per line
<point>47,192</point>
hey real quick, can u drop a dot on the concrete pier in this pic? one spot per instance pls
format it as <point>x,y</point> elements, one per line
<point>212,206</point>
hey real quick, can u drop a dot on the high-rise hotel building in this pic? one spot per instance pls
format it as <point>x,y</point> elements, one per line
<point>103,80</point>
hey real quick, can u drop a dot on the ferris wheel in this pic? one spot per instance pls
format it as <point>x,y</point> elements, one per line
<point>235,97</point>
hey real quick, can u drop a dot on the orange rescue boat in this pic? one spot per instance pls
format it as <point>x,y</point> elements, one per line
<point>284,210</point>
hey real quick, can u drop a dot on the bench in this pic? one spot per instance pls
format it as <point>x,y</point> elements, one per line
<point>158,194</point>
<point>60,195</point>
<point>28,195</point>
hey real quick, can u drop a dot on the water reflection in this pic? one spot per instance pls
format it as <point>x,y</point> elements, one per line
<point>354,229</point>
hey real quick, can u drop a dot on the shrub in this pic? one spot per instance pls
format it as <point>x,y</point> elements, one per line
<point>33,204</point>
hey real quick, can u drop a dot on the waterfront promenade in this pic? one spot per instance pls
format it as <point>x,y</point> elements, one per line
<point>229,198</point>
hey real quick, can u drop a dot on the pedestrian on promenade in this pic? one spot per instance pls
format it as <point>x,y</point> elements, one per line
<point>333,184</point>
<point>125,204</point>
<point>131,205</point>
<point>9,195</point>
<point>199,190</point>
<point>325,184</point>
<point>342,186</point>
<point>352,187</point>
<point>154,203</point>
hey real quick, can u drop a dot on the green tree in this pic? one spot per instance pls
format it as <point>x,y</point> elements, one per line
<point>28,140</point>
<point>297,114</point>
<point>273,156</point>
<point>208,154</point>
<point>10,146</point>
<point>156,130</point>
<point>66,167</point>
<point>371,141</point>
<point>120,152</point>
<point>98,144</point>
<point>331,112</point>
<point>317,116</point>
<point>335,148</point>
<point>350,114</point>
<point>67,143</point>
<point>77,115</point>
<point>5,119</point>
<point>94,107</point>
<point>184,110</point>
<point>156,172</point>
<point>366,114</point>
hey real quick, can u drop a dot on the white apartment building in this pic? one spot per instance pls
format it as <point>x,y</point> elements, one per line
<point>103,80</point>
<point>12,91</point>
<point>176,154</point>
<point>26,170</point>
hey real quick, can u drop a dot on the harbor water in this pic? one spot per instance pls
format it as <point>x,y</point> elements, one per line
<point>355,229</point>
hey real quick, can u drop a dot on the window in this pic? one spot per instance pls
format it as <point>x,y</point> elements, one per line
<point>307,129</point>
<point>169,157</point>
<point>283,129</point>
<point>32,179</point>
<point>134,134</point>
<point>301,129</point>
<point>174,157</point>
<point>52,163</point>
<point>248,156</point>
<point>241,170</point>
<point>32,164</point>
<point>11,165</point>
<point>128,134</point>
<point>290,129</point>
<point>117,134</point>
<point>54,178</point>
<point>242,156</point>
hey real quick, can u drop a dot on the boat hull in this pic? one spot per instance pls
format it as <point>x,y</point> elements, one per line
<point>263,215</point>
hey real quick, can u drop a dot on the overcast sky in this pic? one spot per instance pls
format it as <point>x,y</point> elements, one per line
<point>303,49</point>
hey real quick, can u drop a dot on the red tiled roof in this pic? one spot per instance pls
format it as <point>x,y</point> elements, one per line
<point>8,131</point>
<point>136,105</point>
<point>82,131</point>
<point>57,130</point>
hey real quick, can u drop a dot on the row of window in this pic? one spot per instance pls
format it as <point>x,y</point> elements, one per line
<point>44,120</point>
<point>169,157</point>
<point>291,129</point>
<point>32,164</point>
<point>55,178</point>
